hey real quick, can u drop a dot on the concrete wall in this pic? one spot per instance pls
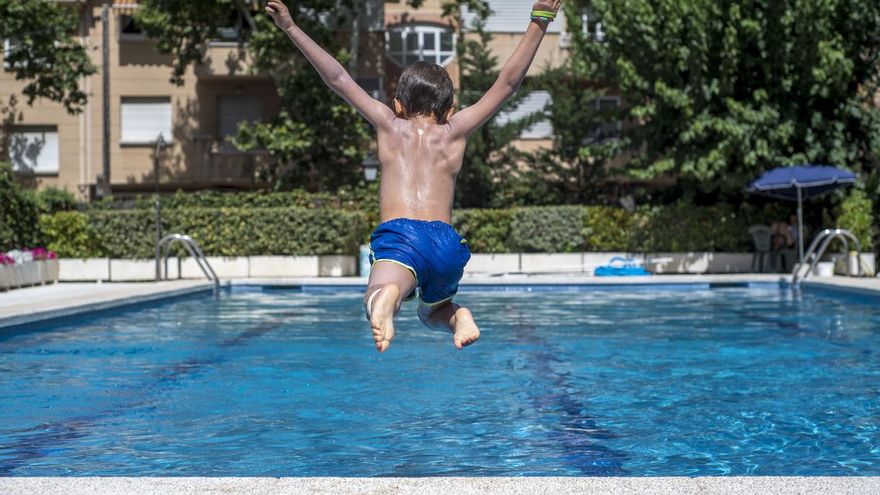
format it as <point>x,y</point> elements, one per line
<point>661,263</point>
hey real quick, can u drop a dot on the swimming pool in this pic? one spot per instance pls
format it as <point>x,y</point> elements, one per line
<point>613,382</point>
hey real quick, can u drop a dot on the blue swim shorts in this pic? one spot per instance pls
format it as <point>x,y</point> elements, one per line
<point>433,251</point>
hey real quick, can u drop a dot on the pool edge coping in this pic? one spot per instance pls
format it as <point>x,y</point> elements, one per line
<point>442,485</point>
<point>842,284</point>
<point>65,311</point>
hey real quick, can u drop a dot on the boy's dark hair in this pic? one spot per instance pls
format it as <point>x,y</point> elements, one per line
<point>425,89</point>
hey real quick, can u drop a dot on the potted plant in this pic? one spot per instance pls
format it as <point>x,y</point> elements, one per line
<point>856,215</point>
<point>47,265</point>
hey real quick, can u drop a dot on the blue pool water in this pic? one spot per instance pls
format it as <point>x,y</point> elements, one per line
<point>759,381</point>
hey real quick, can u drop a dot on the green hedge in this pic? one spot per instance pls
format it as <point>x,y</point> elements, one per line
<point>19,211</point>
<point>311,231</point>
<point>221,231</point>
<point>568,229</point>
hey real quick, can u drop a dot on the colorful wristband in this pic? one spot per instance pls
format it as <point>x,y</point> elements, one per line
<point>544,15</point>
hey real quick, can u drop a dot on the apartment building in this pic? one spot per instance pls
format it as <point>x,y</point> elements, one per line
<point>56,149</point>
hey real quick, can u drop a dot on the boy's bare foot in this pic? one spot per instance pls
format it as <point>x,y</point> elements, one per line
<point>466,331</point>
<point>384,305</point>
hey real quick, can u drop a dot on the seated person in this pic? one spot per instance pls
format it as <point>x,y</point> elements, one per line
<point>785,235</point>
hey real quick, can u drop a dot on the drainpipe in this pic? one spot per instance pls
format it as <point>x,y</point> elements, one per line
<point>105,189</point>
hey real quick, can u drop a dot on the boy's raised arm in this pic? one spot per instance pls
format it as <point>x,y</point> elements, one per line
<point>465,122</point>
<point>331,71</point>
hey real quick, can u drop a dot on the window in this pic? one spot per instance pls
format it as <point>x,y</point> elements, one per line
<point>11,48</point>
<point>511,16</point>
<point>129,28</point>
<point>534,102</point>
<point>234,110</point>
<point>236,29</point>
<point>374,86</point>
<point>592,26</point>
<point>143,119</point>
<point>418,42</point>
<point>609,130</point>
<point>34,149</point>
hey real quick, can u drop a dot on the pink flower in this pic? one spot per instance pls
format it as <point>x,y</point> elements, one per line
<point>6,260</point>
<point>42,254</point>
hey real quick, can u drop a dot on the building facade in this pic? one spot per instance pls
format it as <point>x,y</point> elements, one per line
<point>56,149</point>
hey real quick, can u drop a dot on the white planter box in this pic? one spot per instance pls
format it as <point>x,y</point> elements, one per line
<point>284,266</point>
<point>868,260</point>
<point>337,266</point>
<point>225,268</point>
<point>50,276</point>
<point>135,270</point>
<point>30,274</point>
<point>493,263</point>
<point>5,277</point>
<point>84,270</point>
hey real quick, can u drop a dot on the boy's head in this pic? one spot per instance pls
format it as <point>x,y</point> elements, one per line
<point>424,90</point>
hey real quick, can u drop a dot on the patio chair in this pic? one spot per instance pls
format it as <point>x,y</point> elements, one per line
<point>762,240</point>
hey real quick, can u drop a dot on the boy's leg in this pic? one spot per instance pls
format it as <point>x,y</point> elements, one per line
<point>451,316</point>
<point>389,284</point>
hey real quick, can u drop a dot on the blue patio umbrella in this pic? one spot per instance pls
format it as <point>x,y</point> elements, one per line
<point>799,183</point>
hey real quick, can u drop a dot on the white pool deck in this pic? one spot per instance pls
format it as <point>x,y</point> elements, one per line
<point>27,306</point>
<point>440,486</point>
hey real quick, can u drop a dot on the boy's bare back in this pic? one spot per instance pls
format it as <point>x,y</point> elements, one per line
<point>420,162</point>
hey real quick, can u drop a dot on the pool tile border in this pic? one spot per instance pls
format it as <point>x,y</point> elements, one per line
<point>133,294</point>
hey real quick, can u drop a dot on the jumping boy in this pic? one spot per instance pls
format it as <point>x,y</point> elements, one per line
<point>421,149</point>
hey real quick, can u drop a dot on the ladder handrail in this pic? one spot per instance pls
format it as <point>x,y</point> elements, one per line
<point>819,246</point>
<point>163,249</point>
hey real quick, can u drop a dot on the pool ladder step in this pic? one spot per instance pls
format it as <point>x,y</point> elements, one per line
<point>163,249</point>
<point>817,250</point>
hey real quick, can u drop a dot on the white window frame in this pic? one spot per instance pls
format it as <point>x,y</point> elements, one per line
<point>168,136</point>
<point>54,161</point>
<point>436,56</point>
<point>7,50</point>
<point>128,36</point>
<point>599,34</point>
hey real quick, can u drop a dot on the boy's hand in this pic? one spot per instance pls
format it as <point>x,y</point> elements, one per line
<point>280,14</point>
<point>548,5</point>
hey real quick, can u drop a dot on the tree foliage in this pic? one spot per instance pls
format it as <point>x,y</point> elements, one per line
<point>489,158</point>
<point>718,90</point>
<point>44,52</point>
<point>316,139</point>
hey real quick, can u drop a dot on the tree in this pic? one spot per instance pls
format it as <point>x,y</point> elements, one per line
<point>489,160</point>
<point>317,140</point>
<point>718,90</point>
<point>43,53</point>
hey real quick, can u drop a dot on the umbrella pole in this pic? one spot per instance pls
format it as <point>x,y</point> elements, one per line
<point>801,224</point>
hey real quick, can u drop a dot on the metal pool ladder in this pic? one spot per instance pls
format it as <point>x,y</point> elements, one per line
<point>192,247</point>
<point>819,246</point>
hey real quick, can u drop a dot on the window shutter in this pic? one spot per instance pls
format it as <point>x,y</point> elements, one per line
<point>34,150</point>
<point>237,109</point>
<point>143,119</point>
<point>511,16</point>
<point>534,102</point>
